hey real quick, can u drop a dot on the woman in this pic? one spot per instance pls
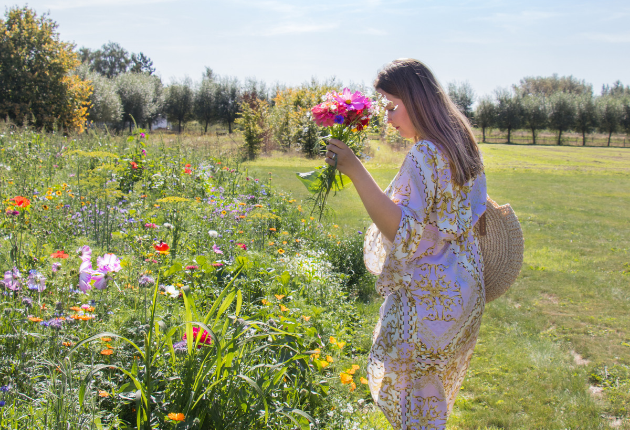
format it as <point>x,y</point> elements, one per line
<point>424,249</point>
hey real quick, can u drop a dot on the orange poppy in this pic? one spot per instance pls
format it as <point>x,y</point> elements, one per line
<point>107,352</point>
<point>345,378</point>
<point>162,248</point>
<point>35,319</point>
<point>75,308</point>
<point>306,318</point>
<point>102,393</point>
<point>279,296</point>
<point>68,344</point>
<point>22,202</point>
<point>59,254</point>
<point>363,380</point>
<point>283,308</point>
<point>106,339</point>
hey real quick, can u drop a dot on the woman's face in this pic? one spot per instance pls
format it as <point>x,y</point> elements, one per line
<point>398,117</point>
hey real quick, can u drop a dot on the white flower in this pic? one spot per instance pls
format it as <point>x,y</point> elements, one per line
<point>169,226</point>
<point>171,291</point>
<point>213,233</point>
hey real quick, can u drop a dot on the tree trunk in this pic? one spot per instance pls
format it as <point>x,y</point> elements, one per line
<point>583,138</point>
<point>560,137</point>
<point>179,126</point>
<point>509,133</point>
<point>483,134</point>
<point>229,127</point>
<point>130,127</point>
<point>534,135</point>
<point>609,134</point>
<point>205,130</point>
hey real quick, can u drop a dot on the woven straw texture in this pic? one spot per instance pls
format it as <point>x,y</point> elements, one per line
<point>502,248</point>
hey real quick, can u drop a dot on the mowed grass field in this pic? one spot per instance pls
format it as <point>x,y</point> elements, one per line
<point>554,351</point>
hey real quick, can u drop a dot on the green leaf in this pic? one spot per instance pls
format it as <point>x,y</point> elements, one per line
<point>176,267</point>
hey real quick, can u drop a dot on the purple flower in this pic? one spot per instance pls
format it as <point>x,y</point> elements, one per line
<point>55,323</point>
<point>36,281</point>
<point>12,279</point>
<point>142,135</point>
<point>216,249</point>
<point>108,263</point>
<point>55,266</point>
<point>100,279</point>
<point>146,281</point>
<point>5,388</point>
<point>27,302</point>
<point>339,119</point>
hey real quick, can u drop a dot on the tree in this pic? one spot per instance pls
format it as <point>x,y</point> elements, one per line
<point>111,60</point>
<point>626,114</point>
<point>610,114</point>
<point>141,64</point>
<point>509,111</point>
<point>105,105</point>
<point>179,102</point>
<point>463,96</point>
<point>616,90</point>
<point>228,99</point>
<point>137,93</point>
<point>546,86</point>
<point>253,119</point>
<point>485,114</point>
<point>204,106</point>
<point>586,115</point>
<point>562,114</point>
<point>535,113</point>
<point>34,73</point>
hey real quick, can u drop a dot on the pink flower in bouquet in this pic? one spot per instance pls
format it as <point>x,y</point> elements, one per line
<point>108,263</point>
<point>329,112</point>
<point>350,101</point>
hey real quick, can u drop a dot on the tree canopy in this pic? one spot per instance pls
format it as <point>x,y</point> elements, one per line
<point>34,72</point>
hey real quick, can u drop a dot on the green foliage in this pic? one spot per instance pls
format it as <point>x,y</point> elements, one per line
<point>535,113</point>
<point>204,106</point>
<point>610,115</point>
<point>228,100</point>
<point>509,111</point>
<point>140,96</point>
<point>34,67</point>
<point>254,121</point>
<point>463,96</point>
<point>546,86</point>
<point>179,102</point>
<point>485,115</point>
<point>562,113</point>
<point>586,118</point>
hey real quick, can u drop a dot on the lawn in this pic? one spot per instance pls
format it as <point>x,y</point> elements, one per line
<point>554,352</point>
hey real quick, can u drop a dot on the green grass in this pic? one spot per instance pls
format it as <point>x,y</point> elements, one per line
<point>572,297</point>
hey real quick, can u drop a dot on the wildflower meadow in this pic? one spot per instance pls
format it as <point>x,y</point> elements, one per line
<point>149,284</point>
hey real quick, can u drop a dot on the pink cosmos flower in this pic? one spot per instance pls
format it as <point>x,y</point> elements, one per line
<point>108,263</point>
<point>216,249</point>
<point>150,225</point>
<point>85,276</point>
<point>86,253</point>
<point>55,267</point>
<point>351,101</point>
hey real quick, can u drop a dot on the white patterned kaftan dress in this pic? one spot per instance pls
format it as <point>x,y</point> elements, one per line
<point>431,277</point>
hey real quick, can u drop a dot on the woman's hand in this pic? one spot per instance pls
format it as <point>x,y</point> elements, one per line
<point>347,161</point>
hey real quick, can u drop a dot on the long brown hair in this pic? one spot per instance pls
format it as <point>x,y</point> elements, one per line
<point>433,114</point>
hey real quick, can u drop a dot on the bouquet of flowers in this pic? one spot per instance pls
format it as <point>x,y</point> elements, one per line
<point>347,115</point>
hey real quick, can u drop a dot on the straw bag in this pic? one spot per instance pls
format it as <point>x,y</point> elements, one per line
<point>502,246</point>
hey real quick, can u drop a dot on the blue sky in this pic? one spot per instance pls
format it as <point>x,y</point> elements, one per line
<point>490,43</point>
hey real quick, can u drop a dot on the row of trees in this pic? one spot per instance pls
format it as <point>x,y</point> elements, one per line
<point>557,103</point>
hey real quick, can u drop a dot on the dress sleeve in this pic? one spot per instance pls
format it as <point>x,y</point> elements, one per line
<point>414,191</point>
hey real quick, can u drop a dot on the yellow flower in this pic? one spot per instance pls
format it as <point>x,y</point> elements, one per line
<point>341,344</point>
<point>312,218</point>
<point>223,212</point>
<point>279,296</point>
<point>283,308</point>
<point>306,318</point>
<point>102,393</point>
<point>284,242</point>
<point>58,192</point>
<point>363,380</point>
<point>324,363</point>
<point>271,243</point>
<point>336,226</point>
<point>281,251</point>
<point>329,359</point>
<point>333,340</point>
<point>265,302</point>
<point>353,386</point>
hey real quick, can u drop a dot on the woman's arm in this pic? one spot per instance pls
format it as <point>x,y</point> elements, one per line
<point>384,212</point>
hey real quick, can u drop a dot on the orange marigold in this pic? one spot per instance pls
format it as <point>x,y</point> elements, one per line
<point>177,416</point>
<point>102,393</point>
<point>107,352</point>
<point>35,319</point>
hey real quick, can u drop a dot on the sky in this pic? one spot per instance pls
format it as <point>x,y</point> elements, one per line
<point>489,43</point>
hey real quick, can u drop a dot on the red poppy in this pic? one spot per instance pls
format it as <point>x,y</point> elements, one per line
<point>242,245</point>
<point>134,165</point>
<point>187,170</point>
<point>22,202</point>
<point>187,165</point>
<point>59,254</point>
<point>162,247</point>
